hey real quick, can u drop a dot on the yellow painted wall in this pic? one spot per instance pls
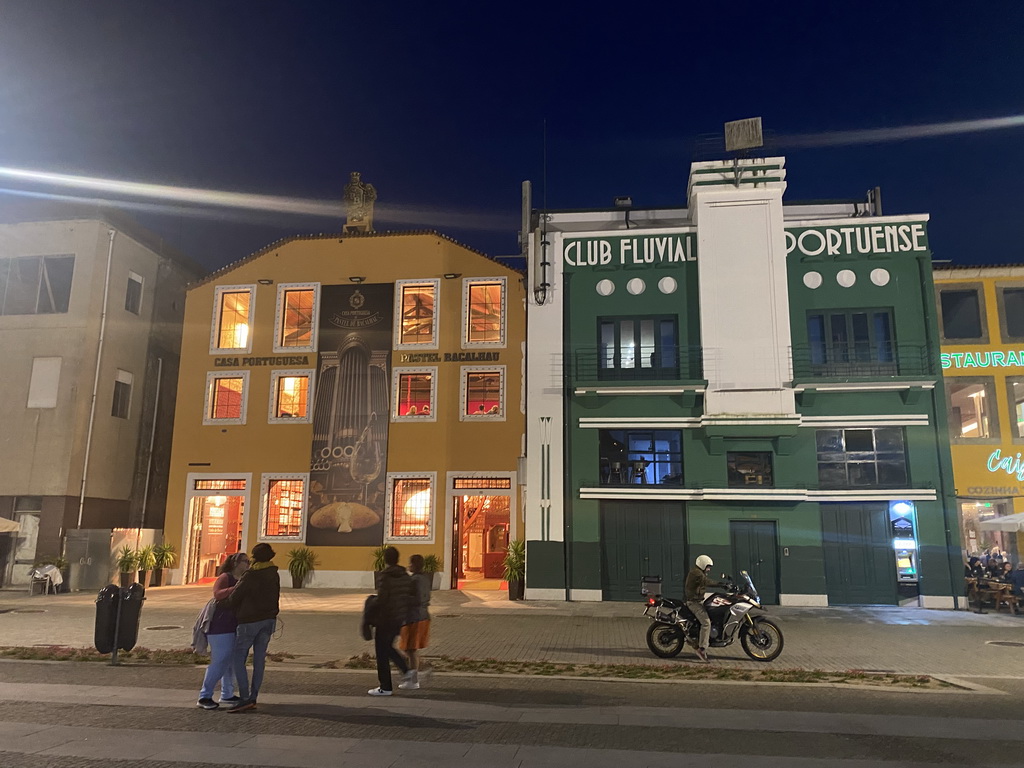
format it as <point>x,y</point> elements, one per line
<point>445,445</point>
<point>971,457</point>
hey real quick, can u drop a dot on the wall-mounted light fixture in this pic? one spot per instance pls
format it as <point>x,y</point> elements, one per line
<point>265,281</point>
<point>356,279</point>
<point>452,275</point>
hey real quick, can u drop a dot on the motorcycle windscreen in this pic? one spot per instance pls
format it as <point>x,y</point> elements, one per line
<point>750,584</point>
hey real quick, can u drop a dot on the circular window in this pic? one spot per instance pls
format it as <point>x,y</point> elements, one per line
<point>846,278</point>
<point>636,286</point>
<point>812,280</point>
<point>667,285</point>
<point>605,288</point>
<point>880,277</point>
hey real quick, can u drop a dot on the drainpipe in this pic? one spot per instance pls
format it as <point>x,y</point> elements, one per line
<point>96,379</point>
<point>152,441</point>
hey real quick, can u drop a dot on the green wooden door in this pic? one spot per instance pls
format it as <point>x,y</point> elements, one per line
<point>755,549</point>
<point>642,538</point>
<point>860,568</point>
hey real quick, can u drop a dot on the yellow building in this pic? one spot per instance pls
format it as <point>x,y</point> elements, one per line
<point>981,314</point>
<point>348,391</point>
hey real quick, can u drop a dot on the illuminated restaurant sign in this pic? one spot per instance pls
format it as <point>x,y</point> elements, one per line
<point>1011,466</point>
<point>1011,359</point>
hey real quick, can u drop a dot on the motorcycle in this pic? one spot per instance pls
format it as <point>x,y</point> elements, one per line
<point>736,613</point>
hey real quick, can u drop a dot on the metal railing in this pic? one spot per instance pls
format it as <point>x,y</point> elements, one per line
<point>863,360</point>
<point>643,363</point>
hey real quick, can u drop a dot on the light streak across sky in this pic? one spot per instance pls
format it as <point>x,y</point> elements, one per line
<point>896,133</point>
<point>212,198</point>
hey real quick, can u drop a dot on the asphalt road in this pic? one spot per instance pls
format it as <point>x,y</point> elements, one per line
<point>81,715</point>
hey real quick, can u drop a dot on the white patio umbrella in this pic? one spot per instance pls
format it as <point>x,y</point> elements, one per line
<point>9,526</point>
<point>1007,523</point>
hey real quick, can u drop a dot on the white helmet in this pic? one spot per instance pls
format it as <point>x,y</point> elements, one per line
<point>704,562</point>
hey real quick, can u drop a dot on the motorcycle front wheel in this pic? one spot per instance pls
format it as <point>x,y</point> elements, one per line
<point>763,641</point>
<point>664,640</point>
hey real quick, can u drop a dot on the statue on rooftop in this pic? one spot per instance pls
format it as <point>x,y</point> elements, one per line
<point>359,197</point>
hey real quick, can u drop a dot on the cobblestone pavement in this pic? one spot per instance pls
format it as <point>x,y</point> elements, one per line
<point>78,715</point>
<point>318,625</point>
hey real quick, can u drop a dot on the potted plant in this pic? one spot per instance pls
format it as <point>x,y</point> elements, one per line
<point>165,556</point>
<point>432,565</point>
<point>515,569</point>
<point>378,565</point>
<point>145,562</point>
<point>301,563</point>
<point>126,563</point>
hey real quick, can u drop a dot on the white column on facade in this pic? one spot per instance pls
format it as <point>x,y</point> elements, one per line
<point>545,404</point>
<point>744,300</point>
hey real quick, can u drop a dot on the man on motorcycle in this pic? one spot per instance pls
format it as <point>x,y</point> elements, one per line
<point>696,585</point>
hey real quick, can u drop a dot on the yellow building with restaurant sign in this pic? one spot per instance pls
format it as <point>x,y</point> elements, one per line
<point>347,391</point>
<point>981,321</point>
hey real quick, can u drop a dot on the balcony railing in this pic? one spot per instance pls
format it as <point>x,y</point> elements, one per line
<point>642,363</point>
<point>863,360</point>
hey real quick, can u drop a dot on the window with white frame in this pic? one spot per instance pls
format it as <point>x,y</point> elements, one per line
<point>133,293</point>
<point>283,513</point>
<point>410,506</point>
<point>122,402</point>
<point>295,322</point>
<point>226,395</point>
<point>291,397</point>
<point>416,310</point>
<point>482,393</point>
<point>231,330</point>
<point>415,394</point>
<point>483,312</point>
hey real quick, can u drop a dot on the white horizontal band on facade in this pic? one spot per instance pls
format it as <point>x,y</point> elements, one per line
<point>763,494</point>
<point>696,422</point>
<point>636,390</point>
<point>866,386</point>
<point>816,601</point>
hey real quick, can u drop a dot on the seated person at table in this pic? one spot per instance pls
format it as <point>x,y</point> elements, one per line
<point>1017,579</point>
<point>973,568</point>
<point>1002,573</point>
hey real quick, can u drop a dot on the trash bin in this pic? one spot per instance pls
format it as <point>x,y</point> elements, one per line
<point>106,618</point>
<point>132,599</point>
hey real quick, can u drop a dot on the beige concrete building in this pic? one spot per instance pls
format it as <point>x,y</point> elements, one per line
<point>90,322</point>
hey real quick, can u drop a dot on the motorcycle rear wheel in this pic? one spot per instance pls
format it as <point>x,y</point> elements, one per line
<point>664,640</point>
<point>762,642</point>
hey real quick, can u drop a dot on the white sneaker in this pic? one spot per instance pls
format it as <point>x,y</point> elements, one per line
<point>378,692</point>
<point>410,681</point>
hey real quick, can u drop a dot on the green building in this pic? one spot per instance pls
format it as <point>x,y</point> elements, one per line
<point>749,380</point>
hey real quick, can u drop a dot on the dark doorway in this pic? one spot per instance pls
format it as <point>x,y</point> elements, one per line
<point>860,567</point>
<point>642,538</point>
<point>755,549</point>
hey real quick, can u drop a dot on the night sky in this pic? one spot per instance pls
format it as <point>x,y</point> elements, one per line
<point>442,107</point>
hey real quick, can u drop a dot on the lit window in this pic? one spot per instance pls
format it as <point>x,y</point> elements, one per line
<point>415,394</point>
<point>483,393</point>
<point>484,318</point>
<point>232,318</point>
<point>411,508</point>
<point>284,501</point>
<point>225,397</point>
<point>296,316</point>
<point>290,391</point>
<point>133,294</point>
<point>417,309</point>
<point>122,403</point>
<point>972,411</point>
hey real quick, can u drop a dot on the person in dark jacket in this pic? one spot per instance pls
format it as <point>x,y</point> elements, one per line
<point>256,602</point>
<point>395,596</point>
<point>696,585</point>
<point>1016,578</point>
<point>220,635</point>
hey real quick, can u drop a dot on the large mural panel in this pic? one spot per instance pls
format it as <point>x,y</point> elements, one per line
<point>350,418</point>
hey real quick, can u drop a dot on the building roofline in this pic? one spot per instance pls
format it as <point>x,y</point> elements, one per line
<point>341,236</point>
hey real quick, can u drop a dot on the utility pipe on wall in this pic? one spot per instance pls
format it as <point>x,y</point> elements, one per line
<point>96,378</point>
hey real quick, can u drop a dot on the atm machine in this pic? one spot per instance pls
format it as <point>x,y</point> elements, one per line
<point>903,529</point>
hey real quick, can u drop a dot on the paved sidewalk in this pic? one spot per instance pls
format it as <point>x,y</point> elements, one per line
<point>319,625</point>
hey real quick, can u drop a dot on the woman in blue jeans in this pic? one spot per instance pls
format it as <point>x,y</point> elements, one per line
<point>221,635</point>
